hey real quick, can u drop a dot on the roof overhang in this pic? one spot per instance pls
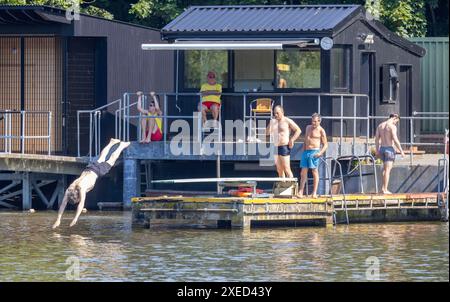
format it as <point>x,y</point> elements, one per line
<point>231,45</point>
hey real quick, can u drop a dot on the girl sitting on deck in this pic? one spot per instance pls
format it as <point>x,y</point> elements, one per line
<point>151,128</point>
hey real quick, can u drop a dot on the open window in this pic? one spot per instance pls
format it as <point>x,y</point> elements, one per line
<point>389,83</point>
<point>298,69</point>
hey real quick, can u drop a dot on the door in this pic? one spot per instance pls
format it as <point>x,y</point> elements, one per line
<point>405,99</point>
<point>367,86</point>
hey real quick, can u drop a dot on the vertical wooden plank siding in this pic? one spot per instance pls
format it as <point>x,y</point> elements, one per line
<point>10,63</point>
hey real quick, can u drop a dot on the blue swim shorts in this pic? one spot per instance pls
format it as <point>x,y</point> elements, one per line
<point>387,154</point>
<point>308,160</point>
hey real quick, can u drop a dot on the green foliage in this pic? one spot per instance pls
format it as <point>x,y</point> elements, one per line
<point>199,62</point>
<point>95,11</point>
<point>304,68</point>
<point>407,18</point>
<point>85,6</point>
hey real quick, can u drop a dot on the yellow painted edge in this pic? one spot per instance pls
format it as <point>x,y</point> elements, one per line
<point>275,200</point>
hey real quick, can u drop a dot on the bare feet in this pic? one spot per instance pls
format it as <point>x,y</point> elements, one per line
<point>57,223</point>
<point>300,195</point>
<point>314,196</point>
<point>386,192</point>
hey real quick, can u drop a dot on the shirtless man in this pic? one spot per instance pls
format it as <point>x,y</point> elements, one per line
<point>76,192</point>
<point>315,136</point>
<point>281,127</point>
<point>386,134</point>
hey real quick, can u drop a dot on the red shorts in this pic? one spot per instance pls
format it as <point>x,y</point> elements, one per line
<point>209,104</point>
<point>157,136</point>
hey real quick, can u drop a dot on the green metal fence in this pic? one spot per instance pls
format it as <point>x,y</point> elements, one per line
<point>434,67</point>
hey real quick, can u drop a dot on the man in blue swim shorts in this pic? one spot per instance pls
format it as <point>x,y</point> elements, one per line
<point>386,135</point>
<point>315,137</point>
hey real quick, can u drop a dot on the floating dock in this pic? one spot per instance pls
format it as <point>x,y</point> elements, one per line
<point>238,212</point>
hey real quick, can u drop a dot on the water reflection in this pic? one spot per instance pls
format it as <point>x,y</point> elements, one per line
<point>109,250</point>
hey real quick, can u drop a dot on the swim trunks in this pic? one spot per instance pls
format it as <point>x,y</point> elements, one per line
<point>284,150</point>
<point>210,104</point>
<point>100,169</point>
<point>387,154</point>
<point>308,160</point>
<point>157,136</point>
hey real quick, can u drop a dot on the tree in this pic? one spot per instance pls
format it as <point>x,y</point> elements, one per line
<point>86,6</point>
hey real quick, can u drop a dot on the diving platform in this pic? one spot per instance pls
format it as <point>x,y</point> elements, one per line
<point>44,177</point>
<point>237,212</point>
<point>42,163</point>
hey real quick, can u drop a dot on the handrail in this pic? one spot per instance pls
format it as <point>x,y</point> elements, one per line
<point>444,188</point>
<point>7,115</point>
<point>359,167</point>
<point>123,116</point>
<point>94,117</point>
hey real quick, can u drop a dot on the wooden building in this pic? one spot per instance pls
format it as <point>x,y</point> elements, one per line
<point>62,64</point>
<point>326,49</point>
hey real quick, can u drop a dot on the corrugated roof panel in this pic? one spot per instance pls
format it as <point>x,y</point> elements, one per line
<point>295,18</point>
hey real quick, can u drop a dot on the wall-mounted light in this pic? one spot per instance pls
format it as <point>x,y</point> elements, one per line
<point>368,39</point>
<point>365,38</point>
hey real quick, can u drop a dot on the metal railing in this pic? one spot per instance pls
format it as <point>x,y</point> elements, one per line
<point>123,118</point>
<point>443,165</point>
<point>8,135</point>
<point>127,105</point>
<point>95,116</point>
<point>411,120</point>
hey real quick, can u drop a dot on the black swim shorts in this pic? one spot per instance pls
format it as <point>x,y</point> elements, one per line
<point>100,169</point>
<point>284,150</point>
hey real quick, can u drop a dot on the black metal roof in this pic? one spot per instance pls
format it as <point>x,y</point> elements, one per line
<point>43,14</point>
<point>259,18</point>
<point>31,14</point>
<point>261,21</point>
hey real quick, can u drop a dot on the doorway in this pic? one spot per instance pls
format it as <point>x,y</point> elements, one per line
<point>405,99</point>
<point>367,86</point>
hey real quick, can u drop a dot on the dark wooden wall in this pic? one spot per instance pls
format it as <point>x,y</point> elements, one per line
<point>80,89</point>
<point>384,52</point>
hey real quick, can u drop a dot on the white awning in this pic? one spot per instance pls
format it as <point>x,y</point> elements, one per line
<point>228,45</point>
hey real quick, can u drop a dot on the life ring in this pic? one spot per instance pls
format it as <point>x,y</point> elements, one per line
<point>244,192</point>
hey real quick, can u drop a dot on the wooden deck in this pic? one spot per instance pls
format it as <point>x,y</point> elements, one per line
<point>42,163</point>
<point>236,212</point>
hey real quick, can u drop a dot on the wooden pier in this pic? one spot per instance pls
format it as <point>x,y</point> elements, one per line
<point>235,212</point>
<point>24,174</point>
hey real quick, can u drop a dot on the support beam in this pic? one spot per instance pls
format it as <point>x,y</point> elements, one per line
<point>131,182</point>
<point>26,192</point>
<point>62,183</point>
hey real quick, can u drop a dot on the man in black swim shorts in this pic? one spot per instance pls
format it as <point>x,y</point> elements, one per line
<point>280,129</point>
<point>76,192</point>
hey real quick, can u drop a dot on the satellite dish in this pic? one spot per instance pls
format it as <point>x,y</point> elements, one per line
<point>326,43</point>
